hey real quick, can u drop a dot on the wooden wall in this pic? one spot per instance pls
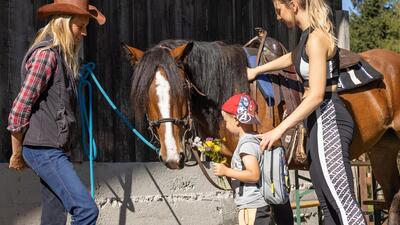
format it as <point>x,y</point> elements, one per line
<point>140,23</point>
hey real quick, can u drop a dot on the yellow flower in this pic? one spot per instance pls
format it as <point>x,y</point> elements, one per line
<point>217,148</point>
<point>211,147</point>
<point>209,144</point>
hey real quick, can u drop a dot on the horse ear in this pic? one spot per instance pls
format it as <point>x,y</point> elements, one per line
<point>131,53</point>
<point>180,52</point>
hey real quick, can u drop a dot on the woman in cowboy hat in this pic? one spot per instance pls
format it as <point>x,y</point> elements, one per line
<point>42,118</point>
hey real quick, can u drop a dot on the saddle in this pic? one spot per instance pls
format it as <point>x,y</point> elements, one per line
<point>348,58</point>
<point>288,88</point>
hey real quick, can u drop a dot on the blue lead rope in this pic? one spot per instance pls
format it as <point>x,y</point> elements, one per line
<point>87,118</point>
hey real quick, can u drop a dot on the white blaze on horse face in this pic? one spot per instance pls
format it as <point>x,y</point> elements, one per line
<point>162,90</point>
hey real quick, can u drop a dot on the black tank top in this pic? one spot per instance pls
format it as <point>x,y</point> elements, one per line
<point>302,64</point>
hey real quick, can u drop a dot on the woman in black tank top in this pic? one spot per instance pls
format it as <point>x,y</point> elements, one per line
<point>329,124</point>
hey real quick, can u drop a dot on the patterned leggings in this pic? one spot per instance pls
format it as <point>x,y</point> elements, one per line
<point>330,132</point>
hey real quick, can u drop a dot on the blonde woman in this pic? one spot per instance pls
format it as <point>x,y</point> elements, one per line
<point>330,126</point>
<point>42,118</point>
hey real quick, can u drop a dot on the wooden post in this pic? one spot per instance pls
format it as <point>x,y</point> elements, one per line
<point>363,182</point>
<point>342,29</point>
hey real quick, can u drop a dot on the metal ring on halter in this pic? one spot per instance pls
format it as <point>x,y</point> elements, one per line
<point>188,144</point>
<point>151,129</point>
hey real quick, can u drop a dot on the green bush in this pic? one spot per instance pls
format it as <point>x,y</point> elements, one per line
<point>375,24</point>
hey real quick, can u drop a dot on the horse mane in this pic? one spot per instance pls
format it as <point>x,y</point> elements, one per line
<point>215,65</point>
<point>143,75</point>
<point>219,71</point>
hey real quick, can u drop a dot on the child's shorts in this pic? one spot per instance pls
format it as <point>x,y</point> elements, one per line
<point>257,216</point>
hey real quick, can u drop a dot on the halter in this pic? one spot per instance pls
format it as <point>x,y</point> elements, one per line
<point>189,133</point>
<point>185,122</point>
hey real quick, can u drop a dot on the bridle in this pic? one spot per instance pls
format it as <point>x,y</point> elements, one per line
<point>190,132</point>
<point>186,122</point>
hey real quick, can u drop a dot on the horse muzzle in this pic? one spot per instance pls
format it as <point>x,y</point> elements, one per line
<point>175,163</point>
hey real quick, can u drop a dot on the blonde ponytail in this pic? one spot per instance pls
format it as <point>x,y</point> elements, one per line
<point>59,29</point>
<point>319,14</point>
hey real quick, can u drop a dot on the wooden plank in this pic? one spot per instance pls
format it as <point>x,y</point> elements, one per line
<point>5,99</point>
<point>201,15</point>
<point>305,204</point>
<point>378,204</point>
<point>363,187</point>
<point>360,163</point>
<point>188,19</point>
<point>140,38</point>
<point>177,27</point>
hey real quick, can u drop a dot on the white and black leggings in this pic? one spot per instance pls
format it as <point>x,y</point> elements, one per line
<point>330,131</point>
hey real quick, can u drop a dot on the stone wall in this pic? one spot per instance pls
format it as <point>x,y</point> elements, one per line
<point>131,193</point>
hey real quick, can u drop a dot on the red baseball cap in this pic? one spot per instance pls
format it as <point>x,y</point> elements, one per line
<point>243,107</point>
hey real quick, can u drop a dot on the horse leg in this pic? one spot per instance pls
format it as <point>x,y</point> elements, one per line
<point>383,158</point>
<point>394,211</point>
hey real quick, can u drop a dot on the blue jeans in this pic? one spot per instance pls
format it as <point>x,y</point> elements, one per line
<point>62,189</point>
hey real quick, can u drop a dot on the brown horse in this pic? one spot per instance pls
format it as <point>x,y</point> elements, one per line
<point>159,97</point>
<point>219,70</point>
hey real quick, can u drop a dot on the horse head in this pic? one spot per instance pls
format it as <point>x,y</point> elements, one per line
<point>160,94</point>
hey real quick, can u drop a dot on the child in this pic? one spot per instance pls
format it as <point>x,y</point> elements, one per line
<point>239,113</point>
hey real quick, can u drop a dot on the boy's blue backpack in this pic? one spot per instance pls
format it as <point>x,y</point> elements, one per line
<point>274,177</point>
<point>274,174</point>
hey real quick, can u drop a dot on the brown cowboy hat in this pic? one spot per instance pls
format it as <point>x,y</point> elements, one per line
<point>73,7</point>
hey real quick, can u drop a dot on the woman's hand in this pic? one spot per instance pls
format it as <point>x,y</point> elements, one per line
<point>219,169</point>
<point>269,138</point>
<point>17,162</point>
<point>251,74</point>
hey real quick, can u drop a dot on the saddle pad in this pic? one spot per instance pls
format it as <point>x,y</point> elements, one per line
<point>263,82</point>
<point>251,54</point>
<point>357,75</point>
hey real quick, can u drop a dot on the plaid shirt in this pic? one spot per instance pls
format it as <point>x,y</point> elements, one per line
<point>40,67</point>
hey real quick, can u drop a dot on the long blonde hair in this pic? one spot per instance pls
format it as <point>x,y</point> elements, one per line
<point>59,29</point>
<point>319,16</point>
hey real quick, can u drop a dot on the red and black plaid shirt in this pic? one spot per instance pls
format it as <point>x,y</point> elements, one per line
<point>40,66</point>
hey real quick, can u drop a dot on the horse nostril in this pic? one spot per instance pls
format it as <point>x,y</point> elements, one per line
<point>160,158</point>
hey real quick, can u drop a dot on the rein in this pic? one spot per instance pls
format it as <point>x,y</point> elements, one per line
<point>204,171</point>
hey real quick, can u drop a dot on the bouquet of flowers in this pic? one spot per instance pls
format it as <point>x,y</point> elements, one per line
<point>211,147</point>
